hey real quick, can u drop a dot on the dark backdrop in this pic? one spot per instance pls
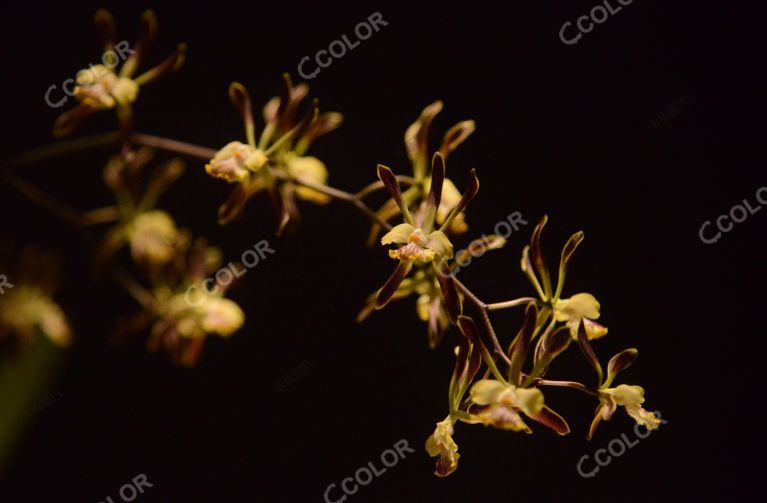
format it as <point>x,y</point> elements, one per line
<point>563,130</point>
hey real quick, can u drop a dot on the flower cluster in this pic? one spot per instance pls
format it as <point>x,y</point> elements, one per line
<point>104,87</point>
<point>28,310</point>
<point>490,385</point>
<point>515,391</point>
<point>277,163</point>
<point>431,200</point>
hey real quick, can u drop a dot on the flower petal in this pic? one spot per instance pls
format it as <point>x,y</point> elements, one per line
<point>392,185</point>
<point>456,135</point>
<point>435,191</point>
<point>619,363</point>
<point>521,344</point>
<point>486,391</point>
<point>441,245</point>
<point>548,417</point>
<point>567,253</point>
<point>580,305</point>
<point>390,287</point>
<point>398,235</point>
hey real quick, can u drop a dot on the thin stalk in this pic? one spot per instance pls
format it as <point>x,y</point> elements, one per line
<point>511,303</point>
<point>338,194</point>
<point>482,307</point>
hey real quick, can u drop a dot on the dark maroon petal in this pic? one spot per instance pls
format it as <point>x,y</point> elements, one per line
<point>521,345</point>
<point>548,417</point>
<point>145,40</point>
<point>417,142</point>
<point>232,207</point>
<point>551,345</point>
<point>469,330</point>
<point>392,186</point>
<point>105,24</point>
<point>595,422</point>
<point>68,121</point>
<point>455,136</point>
<point>621,362</point>
<point>449,290</point>
<point>435,192</point>
<point>168,65</point>
<point>588,351</point>
<point>538,260</point>
<point>468,195</point>
<point>280,209</point>
<point>387,291</point>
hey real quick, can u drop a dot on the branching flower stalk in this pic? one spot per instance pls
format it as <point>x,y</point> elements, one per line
<point>491,384</point>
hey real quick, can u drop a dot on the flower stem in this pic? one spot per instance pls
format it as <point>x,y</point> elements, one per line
<point>482,307</point>
<point>178,147</point>
<point>511,303</point>
<point>353,199</point>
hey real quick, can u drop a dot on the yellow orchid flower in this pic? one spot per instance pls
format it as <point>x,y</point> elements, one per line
<point>100,88</point>
<point>581,306</point>
<point>629,397</point>
<point>500,403</point>
<point>308,168</point>
<point>416,245</point>
<point>235,161</point>
<point>152,236</point>
<point>441,444</point>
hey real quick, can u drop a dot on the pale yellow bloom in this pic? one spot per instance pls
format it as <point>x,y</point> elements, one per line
<point>152,236</point>
<point>214,316</point>
<point>99,87</point>
<point>630,397</point>
<point>581,306</point>
<point>235,162</point>
<point>26,309</point>
<point>309,168</point>
<point>441,444</point>
<point>500,403</point>
<point>416,245</point>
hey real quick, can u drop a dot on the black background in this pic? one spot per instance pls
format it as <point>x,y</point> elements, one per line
<point>562,130</point>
